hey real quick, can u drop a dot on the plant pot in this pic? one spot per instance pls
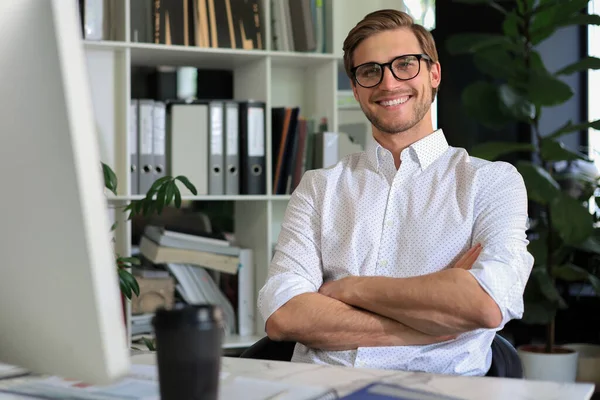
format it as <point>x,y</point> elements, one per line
<point>588,364</point>
<point>558,366</point>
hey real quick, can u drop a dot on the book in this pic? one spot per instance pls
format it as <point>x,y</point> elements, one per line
<point>163,255</point>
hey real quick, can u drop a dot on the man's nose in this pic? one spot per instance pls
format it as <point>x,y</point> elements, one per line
<point>388,81</point>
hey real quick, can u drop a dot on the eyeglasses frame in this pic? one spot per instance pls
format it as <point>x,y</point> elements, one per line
<point>389,65</point>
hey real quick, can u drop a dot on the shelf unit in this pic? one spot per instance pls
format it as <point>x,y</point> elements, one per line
<point>307,80</point>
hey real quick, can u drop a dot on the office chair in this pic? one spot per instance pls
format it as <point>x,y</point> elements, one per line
<point>505,359</point>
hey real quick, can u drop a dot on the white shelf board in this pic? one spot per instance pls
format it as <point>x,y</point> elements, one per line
<point>229,342</point>
<point>148,54</point>
<point>297,59</point>
<point>105,45</point>
<point>247,197</point>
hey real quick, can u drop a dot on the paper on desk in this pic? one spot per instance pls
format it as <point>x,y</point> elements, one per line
<point>142,384</point>
<point>8,371</point>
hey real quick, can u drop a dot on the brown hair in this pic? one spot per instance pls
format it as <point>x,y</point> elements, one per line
<point>384,20</point>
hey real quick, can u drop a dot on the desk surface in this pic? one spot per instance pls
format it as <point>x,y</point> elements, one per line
<point>345,380</point>
<point>308,377</point>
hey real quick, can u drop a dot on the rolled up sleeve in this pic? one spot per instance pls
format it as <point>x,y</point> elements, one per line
<point>296,266</point>
<point>504,264</point>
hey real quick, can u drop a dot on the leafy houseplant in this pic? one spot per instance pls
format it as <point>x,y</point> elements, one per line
<point>162,193</point>
<point>516,89</point>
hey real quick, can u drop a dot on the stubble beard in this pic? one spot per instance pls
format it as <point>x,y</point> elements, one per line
<point>420,107</point>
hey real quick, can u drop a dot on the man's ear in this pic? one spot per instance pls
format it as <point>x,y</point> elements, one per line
<point>435,74</point>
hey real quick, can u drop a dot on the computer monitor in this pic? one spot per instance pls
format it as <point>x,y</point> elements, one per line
<point>60,306</point>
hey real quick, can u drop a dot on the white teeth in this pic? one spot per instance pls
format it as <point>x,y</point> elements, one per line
<point>394,102</point>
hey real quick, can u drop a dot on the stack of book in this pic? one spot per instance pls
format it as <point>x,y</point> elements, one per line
<point>204,266</point>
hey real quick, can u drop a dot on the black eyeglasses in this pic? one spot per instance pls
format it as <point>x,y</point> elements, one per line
<point>403,68</point>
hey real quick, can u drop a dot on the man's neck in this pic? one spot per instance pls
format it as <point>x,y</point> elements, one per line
<point>395,143</point>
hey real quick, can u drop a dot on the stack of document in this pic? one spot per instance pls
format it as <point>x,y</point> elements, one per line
<point>196,286</point>
<point>142,384</point>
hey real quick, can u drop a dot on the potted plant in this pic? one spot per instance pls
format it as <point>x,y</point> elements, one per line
<point>162,193</point>
<point>516,88</point>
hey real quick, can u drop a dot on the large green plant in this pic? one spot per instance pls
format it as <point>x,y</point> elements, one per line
<point>163,192</point>
<point>516,89</point>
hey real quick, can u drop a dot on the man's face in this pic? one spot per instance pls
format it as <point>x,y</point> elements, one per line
<point>395,106</point>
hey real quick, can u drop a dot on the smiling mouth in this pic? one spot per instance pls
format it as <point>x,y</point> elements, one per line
<point>394,102</point>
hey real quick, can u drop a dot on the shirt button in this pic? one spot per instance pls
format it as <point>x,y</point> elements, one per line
<point>389,223</point>
<point>383,263</point>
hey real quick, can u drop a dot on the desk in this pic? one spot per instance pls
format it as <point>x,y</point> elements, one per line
<point>345,380</point>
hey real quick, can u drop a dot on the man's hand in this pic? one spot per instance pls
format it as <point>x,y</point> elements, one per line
<point>468,259</point>
<point>337,289</point>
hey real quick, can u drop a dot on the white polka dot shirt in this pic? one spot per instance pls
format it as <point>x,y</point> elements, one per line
<point>363,217</point>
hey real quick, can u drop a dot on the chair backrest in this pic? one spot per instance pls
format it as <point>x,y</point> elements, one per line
<point>267,349</point>
<point>505,359</point>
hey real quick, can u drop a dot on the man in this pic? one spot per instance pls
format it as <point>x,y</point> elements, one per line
<point>411,254</point>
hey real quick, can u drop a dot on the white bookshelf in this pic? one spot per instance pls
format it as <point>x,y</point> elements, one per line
<point>307,80</point>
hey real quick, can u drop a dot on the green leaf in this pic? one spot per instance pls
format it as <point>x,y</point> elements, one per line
<point>187,184</point>
<point>584,64</point>
<point>110,179</point>
<point>571,219</point>
<point>595,282</point>
<point>464,43</point>
<point>158,183</point>
<point>547,287</point>
<point>541,187</point>
<point>510,27</point>
<point>130,260</point>
<point>521,6</point>
<point>516,104</point>
<point>556,14</point>
<point>130,280</point>
<point>591,245</point>
<point>114,226</point>
<point>161,197</point>
<point>149,344</point>
<point>546,90</point>
<point>552,150</point>
<point>492,150</point>
<point>177,197</point>
<point>570,127</point>
<point>573,273</point>
<point>551,13</point>
<point>581,19</point>
<point>481,101</point>
<point>495,61</point>
<point>124,284</point>
<point>539,313</point>
<point>570,273</point>
<point>148,206</point>
<point>170,193</point>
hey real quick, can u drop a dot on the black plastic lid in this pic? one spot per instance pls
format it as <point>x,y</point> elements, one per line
<point>190,315</point>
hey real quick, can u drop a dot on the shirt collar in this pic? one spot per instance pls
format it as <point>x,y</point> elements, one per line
<point>428,149</point>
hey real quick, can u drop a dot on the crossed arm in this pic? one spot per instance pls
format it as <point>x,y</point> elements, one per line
<point>334,320</point>
<point>448,302</point>
<point>379,311</point>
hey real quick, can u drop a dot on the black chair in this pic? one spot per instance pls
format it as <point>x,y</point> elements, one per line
<point>505,360</point>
